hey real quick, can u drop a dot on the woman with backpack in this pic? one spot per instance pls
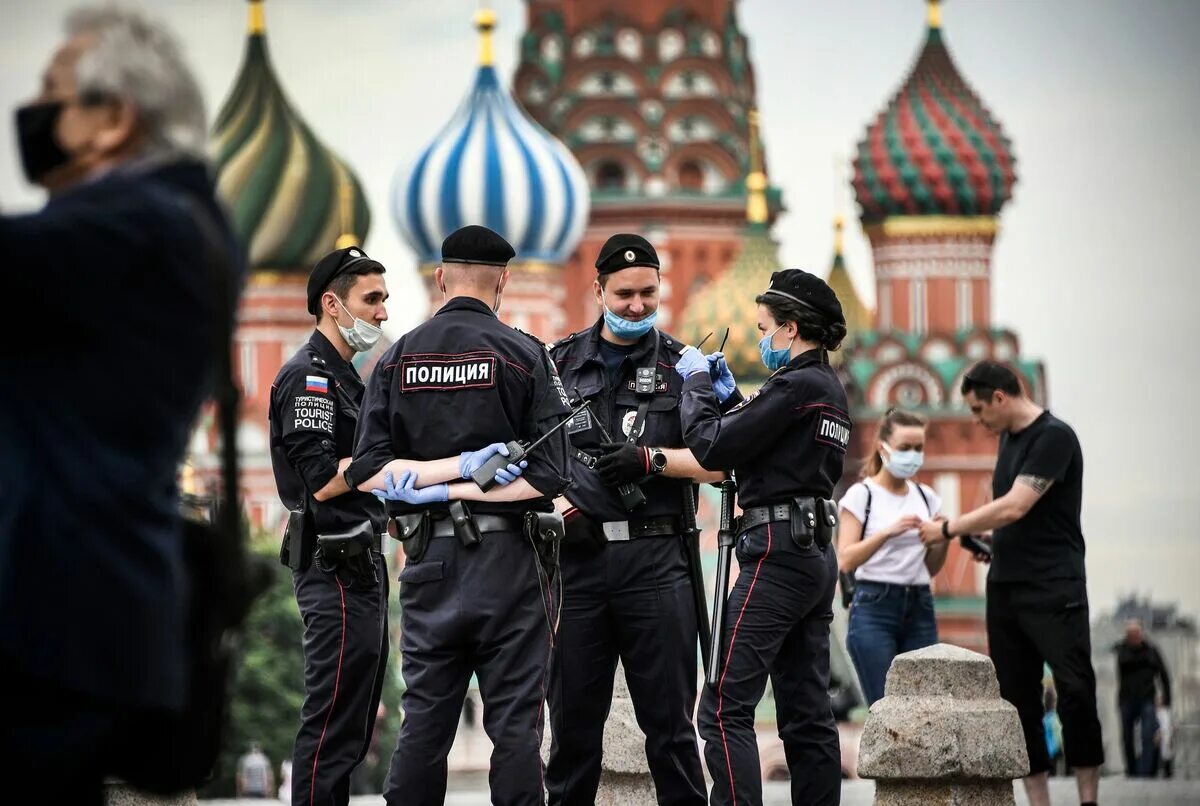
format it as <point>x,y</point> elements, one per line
<point>878,545</point>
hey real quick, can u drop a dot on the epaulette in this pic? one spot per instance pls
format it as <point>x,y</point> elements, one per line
<point>570,337</point>
<point>671,343</point>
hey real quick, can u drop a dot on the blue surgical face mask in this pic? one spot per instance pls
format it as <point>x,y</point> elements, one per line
<point>773,359</point>
<point>624,329</point>
<point>902,464</point>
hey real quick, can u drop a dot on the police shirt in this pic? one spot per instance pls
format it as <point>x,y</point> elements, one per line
<point>583,361</point>
<point>1047,543</point>
<point>787,439</point>
<point>314,411</point>
<point>459,382</point>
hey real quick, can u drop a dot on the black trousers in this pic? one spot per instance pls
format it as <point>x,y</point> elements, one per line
<point>345,655</point>
<point>483,610</point>
<point>776,626</point>
<point>632,601</point>
<point>1046,622</point>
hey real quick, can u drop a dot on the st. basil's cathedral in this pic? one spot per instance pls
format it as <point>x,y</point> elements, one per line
<point>641,116</point>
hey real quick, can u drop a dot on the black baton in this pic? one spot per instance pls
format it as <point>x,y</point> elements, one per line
<point>725,538</point>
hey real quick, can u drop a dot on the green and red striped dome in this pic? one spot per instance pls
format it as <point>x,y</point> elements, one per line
<point>935,149</point>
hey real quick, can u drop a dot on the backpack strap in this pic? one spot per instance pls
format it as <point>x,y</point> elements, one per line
<point>924,498</point>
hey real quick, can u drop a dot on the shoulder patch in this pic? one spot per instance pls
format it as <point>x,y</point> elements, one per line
<point>530,335</point>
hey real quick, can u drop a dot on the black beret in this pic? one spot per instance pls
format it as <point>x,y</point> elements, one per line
<point>809,290</point>
<point>477,245</point>
<point>623,251</point>
<point>336,262</point>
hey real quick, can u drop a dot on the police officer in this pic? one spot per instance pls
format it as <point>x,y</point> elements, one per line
<point>786,444</point>
<point>341,589</point>
<point>626,589</point>
<point>473,592</point>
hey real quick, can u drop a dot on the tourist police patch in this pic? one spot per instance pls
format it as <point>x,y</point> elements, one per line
<point>312,413</point>
<point>441,373</point>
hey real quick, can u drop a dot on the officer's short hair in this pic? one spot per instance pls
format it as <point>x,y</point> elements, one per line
<point>345,280</point>
<point>138,60</point>
<point>986,377</point>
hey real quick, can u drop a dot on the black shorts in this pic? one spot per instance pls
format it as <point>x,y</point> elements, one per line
<point>1046,622</point>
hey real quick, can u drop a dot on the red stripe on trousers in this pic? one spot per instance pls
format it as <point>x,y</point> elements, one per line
<point>728,655</point>
<point>312,784</point>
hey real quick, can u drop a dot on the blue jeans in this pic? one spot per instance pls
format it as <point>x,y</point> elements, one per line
<point>886,620</point>
<point>1141,712</point>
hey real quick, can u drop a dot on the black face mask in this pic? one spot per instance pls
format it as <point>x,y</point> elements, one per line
<point>40,151</point>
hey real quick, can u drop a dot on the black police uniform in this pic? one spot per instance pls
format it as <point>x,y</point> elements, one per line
<point>458,382</point>
<point>626,590</point>
<point>314,412</point>
<point>786,444</point>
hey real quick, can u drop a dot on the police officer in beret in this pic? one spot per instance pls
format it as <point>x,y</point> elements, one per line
<point>313,415</point>
<point>474,596</point>
<point>786,444</point>
<point>627,594</point>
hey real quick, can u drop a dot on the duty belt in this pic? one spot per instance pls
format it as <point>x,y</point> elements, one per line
<point>757,516</point>
<point>444,527</point>
<point>620,531</point>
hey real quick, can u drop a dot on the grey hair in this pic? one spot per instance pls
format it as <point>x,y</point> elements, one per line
<point>138,60</point>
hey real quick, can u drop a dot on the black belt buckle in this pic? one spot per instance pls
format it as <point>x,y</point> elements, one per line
<point>464,526</point>
<point>803,521</point>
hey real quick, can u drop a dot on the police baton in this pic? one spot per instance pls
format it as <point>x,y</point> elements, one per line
<point>485,475</point>
<point>725,538</point>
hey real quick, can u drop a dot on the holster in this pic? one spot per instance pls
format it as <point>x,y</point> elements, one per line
<point>547,531</point>
<point>298,541</point>
<point>414,532</point>
<point>464,526</point>
<point>803,522</point>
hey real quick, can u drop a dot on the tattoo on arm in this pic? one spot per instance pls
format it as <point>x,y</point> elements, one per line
<point>1037,483</point>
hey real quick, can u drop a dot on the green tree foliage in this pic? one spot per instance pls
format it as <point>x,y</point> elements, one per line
<point>269,689</point>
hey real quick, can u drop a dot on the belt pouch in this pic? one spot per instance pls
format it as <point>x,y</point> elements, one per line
<point>827,521</point>
<point>464,525</point>
<point>296,551</point>
<point>546,530</point>
<point>342,546</point>
<point>803,522</point>
<point>414,530</point>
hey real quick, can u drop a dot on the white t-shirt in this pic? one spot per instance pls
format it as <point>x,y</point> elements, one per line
<point>900,560</point>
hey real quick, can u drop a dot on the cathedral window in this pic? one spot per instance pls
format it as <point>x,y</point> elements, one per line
<point>629,44</point>
<point>690,84</point>
<point>607,82</point>
<point>691,177</point>
<point>670,45</point>
<point>610,176</point>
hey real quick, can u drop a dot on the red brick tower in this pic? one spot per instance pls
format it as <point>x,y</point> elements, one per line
<point>652,97</point>
<point>931,176</point>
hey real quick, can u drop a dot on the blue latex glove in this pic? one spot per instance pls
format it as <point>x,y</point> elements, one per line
<point>722,375</point>
<point>507,475</point>
<point>407,492</point>
<point>690,362</point>
<point>470,461</point>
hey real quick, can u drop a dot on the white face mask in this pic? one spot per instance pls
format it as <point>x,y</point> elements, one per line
<point>361,336</point>
<point>902,464</point>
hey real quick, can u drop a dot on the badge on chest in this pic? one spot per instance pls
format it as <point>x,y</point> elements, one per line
<point>627,423</point>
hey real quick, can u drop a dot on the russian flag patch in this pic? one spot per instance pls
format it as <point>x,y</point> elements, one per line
<point>315,383</point>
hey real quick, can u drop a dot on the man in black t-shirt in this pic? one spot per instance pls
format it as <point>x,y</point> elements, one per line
<point>1037,607</point>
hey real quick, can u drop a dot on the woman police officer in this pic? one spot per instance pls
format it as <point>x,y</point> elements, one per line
<point>786,444</point>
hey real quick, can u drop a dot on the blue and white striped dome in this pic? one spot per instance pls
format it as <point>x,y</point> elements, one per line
<point>493,165</point>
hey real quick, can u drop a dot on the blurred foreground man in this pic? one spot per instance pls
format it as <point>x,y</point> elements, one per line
<point>105,368</point>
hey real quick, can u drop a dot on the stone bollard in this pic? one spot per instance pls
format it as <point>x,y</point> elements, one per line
<point>624,776</point>
<point>117,793</point>
<point>942,735</point>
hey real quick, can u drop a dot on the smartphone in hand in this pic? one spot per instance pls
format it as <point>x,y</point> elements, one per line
<point>977,545</point>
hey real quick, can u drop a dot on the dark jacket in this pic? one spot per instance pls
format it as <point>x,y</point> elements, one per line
<point>95,416</point>
<point>1137,669</point>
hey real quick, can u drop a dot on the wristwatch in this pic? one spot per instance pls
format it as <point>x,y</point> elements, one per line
<point>658,461</point>
<point>946,529</point>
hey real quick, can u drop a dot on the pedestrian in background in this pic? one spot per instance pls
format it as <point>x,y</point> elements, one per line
<point>892,609</point>
<point>1139,669</point>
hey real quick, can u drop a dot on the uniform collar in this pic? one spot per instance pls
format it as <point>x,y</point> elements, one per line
<point>807,358</point>
<point>466,304</point>
<point>639,355</point>
<point>340,367</point>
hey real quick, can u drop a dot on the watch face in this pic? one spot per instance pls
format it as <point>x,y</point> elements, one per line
<point>658,460</point>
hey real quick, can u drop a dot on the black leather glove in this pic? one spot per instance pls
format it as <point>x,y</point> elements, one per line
<point>623,462</point>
